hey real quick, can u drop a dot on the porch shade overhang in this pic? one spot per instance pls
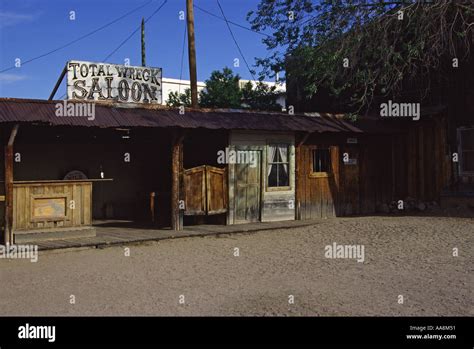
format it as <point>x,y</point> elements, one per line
<point>107,115</point>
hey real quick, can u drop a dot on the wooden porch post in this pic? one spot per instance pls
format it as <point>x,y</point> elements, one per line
<point>176,169</point>
<point>394,168</point>
<point>297,185</point>
<point>8,233</point>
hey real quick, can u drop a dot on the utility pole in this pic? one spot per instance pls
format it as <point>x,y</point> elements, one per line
<point>143,43</point>
<point>192,53</point>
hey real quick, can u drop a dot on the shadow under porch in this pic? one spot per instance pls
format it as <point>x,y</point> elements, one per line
<point>125,165</point>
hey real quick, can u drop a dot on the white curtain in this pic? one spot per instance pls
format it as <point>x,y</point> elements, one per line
<point>284,156</point>
<point>271,158</point>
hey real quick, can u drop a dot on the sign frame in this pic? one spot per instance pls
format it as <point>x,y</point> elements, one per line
<point>97,81</point>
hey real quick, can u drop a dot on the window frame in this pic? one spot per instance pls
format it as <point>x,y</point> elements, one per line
<point>322,174</point>
<point>279,188</point>
<point>461,151</point>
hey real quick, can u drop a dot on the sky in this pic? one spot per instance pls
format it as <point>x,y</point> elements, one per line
<point>30,28</point>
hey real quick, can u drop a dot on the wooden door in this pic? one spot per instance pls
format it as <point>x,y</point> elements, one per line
<point>247,191</point>
<point>318,183</point>
<point>216,187</point>
<point>195,191</point>
<point>205,190</point>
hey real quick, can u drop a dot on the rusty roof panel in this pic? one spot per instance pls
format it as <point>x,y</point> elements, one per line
<point>107,115</point>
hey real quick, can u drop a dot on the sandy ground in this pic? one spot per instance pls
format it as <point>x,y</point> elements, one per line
<point>409,256</point>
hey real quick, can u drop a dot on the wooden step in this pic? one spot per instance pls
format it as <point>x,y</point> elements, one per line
<point>30,236</point>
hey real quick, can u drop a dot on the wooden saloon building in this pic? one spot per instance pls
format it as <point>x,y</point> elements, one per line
<point>153,164</point>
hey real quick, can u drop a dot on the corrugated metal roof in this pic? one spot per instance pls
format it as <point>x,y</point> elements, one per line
<point>113,115</point>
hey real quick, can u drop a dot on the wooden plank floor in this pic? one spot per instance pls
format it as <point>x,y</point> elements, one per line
<point>109,235</point>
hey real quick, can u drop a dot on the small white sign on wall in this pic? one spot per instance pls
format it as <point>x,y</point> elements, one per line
<point>351,162</point>
<point>352,140</point>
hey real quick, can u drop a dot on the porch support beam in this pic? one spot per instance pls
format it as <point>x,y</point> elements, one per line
<point>304,139</point>
<point>176,174</point>
<point>58,83</point>
<point>8,232</point>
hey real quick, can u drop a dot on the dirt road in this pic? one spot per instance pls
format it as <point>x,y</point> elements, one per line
<point>403,256</point>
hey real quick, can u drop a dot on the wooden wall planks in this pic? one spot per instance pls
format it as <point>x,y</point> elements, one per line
<point>52,205</point>
<point>413,163</point>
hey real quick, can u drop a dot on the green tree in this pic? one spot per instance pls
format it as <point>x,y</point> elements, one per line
<point>176,99</point>
<point>222,90</point>
<point>260,97</point>
<point>359,49</point>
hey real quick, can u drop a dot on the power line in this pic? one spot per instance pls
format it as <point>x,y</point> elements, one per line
<point>137,29</point>
<point>235,40</point>
<point>80,38</point>
<point>238,25</point>
<point>233,23</point>
<point>128,38</point>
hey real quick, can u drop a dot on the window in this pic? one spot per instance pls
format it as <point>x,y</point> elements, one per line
<point>278,166</point>
<point>466,149</point>
<point>321,160</point>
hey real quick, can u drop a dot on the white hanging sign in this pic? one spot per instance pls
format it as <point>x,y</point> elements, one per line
<point>91,81</point>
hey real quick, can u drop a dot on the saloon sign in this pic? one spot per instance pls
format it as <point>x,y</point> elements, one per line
<point>111,82</point>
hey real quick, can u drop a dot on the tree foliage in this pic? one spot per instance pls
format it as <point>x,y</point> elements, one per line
<point>176,99</point>
<point>260,97</point>
<point>222,90</point>
<point>386,43</point>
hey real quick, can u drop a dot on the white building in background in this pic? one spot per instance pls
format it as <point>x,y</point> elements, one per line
<point>177,85</point>
<point>169,85</point>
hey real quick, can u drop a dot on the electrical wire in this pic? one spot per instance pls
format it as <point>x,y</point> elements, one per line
<point>136,30</point>
<point>233,23</point>
<point>235,40</point>
<point>80,38</point>
<point>128,37</point>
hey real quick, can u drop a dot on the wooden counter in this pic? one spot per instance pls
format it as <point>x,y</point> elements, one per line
<point>52,204</point>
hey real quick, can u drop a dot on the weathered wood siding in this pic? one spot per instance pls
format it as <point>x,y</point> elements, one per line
<point>275,205</point>
<point>2,184</point>
<point>52,205</point>
<point>423,163</point>
<point>375,173</point>
<point>414,163</point>
<point>353,187</point>
<point>318,193</point>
